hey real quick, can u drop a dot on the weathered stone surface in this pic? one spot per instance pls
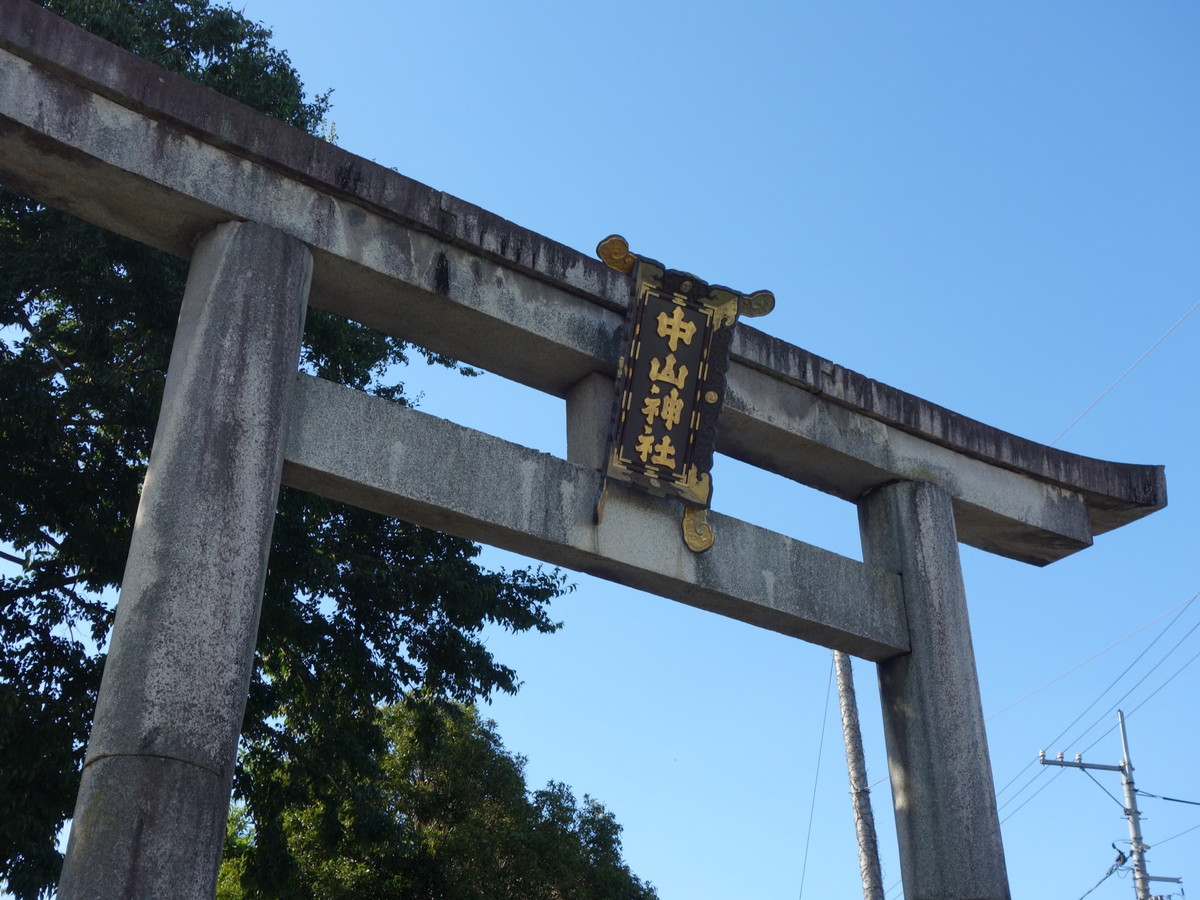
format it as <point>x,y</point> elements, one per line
<point>182,647</point>
<point>140,830</point>
<point>589,418</point>
<point>1115,493</point>
<point>98,132</point>
<point>942,791</point>
<point>848,453</point>
<point>395,460</point>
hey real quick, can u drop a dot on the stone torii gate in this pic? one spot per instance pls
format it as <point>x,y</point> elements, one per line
<point>272,220</point>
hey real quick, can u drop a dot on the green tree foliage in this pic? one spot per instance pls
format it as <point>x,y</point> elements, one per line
<point>452,820</point>
<point>358,609</point>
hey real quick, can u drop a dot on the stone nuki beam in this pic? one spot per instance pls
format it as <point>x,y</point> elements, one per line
<point>378,455</point>
<point>122,143</point>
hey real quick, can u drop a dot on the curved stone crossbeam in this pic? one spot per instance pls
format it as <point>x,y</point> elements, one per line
<point>115,140</point>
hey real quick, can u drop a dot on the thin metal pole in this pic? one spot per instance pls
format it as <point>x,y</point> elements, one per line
<point>1141,882</point>
<point>860,791</point>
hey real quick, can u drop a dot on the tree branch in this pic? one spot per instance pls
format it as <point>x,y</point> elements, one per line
<point>49,540</point>
<point>33,590</point>
<point>34,336</point>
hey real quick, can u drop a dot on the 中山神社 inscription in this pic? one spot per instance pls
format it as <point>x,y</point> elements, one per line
<point>670,384</point>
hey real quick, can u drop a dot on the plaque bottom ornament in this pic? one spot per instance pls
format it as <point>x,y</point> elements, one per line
<point>697,533</point>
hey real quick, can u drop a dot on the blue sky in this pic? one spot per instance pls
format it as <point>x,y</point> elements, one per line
<point>993,206</point>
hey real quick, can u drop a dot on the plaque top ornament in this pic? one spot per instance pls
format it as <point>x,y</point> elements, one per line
<point>671,384</point>
<point>614,252</point>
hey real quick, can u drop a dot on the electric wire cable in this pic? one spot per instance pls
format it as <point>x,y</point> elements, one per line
<point>1096,655</point>
<point>1025,786</point>
<point>1015,777</point>
<point>1160,797</point>
<point>1179,609</point>
<point>1147,699</point>
<point>1107,875</point>
<point>1031,796</point>
<point>1103,788</point>
<point>1038,774</point>
<point>816,778</point>
<point>1165,683</point>
<point>1109,730</point>
<point>1114,683</point>
<point>1121,378</point>
<point>1172,837</point>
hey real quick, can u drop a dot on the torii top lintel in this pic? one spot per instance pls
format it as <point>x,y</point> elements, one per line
<point>105,135</point>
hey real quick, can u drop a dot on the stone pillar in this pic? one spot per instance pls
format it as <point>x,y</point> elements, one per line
<point>150,816</point>
<point>589,416</point>
<point>945,802</point>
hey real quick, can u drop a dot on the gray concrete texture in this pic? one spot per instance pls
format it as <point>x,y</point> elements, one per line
<point>103,134</point>
<point>150,817</point>
<point>942,792</point>
<point>395,460</point>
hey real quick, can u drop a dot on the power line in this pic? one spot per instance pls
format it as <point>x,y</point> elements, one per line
<point>1096,655</point>
<point>1103,788</point>
<point>1114,682</point>
<point>1137,846</point>
<point>1031,796</point>
<point>1182,608</point>
<point>1015,777</point>
<point>1181,834</point>
<point>1126,372</point>
<point>816,778</point>
<point>1172,799</point>
<point>1139,683</point>
<point>1165,683</point>
<point>1040,772</point>
<point>1149,696</point>
<point>1179,609</point>
<point>1100,882</point>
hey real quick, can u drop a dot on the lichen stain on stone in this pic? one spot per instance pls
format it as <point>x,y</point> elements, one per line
<point>349,177</point>
<point>441,275</point>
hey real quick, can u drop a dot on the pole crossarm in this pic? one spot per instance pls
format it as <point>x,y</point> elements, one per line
<point>1080,765</point>
<point>375,454</point>
<point>115,140</point>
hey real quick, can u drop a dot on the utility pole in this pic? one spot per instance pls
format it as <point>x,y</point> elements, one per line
<point>1137,853</point>
<point>860,792</point>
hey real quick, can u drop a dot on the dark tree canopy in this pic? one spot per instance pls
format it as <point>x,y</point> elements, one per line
<point>358,609</point>
<point>446,815</point>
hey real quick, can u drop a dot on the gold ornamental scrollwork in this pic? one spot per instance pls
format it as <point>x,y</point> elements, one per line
<point>697,533</point>
<point>671,384</point>
<point>614,251</point>
<point>757,304</point>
